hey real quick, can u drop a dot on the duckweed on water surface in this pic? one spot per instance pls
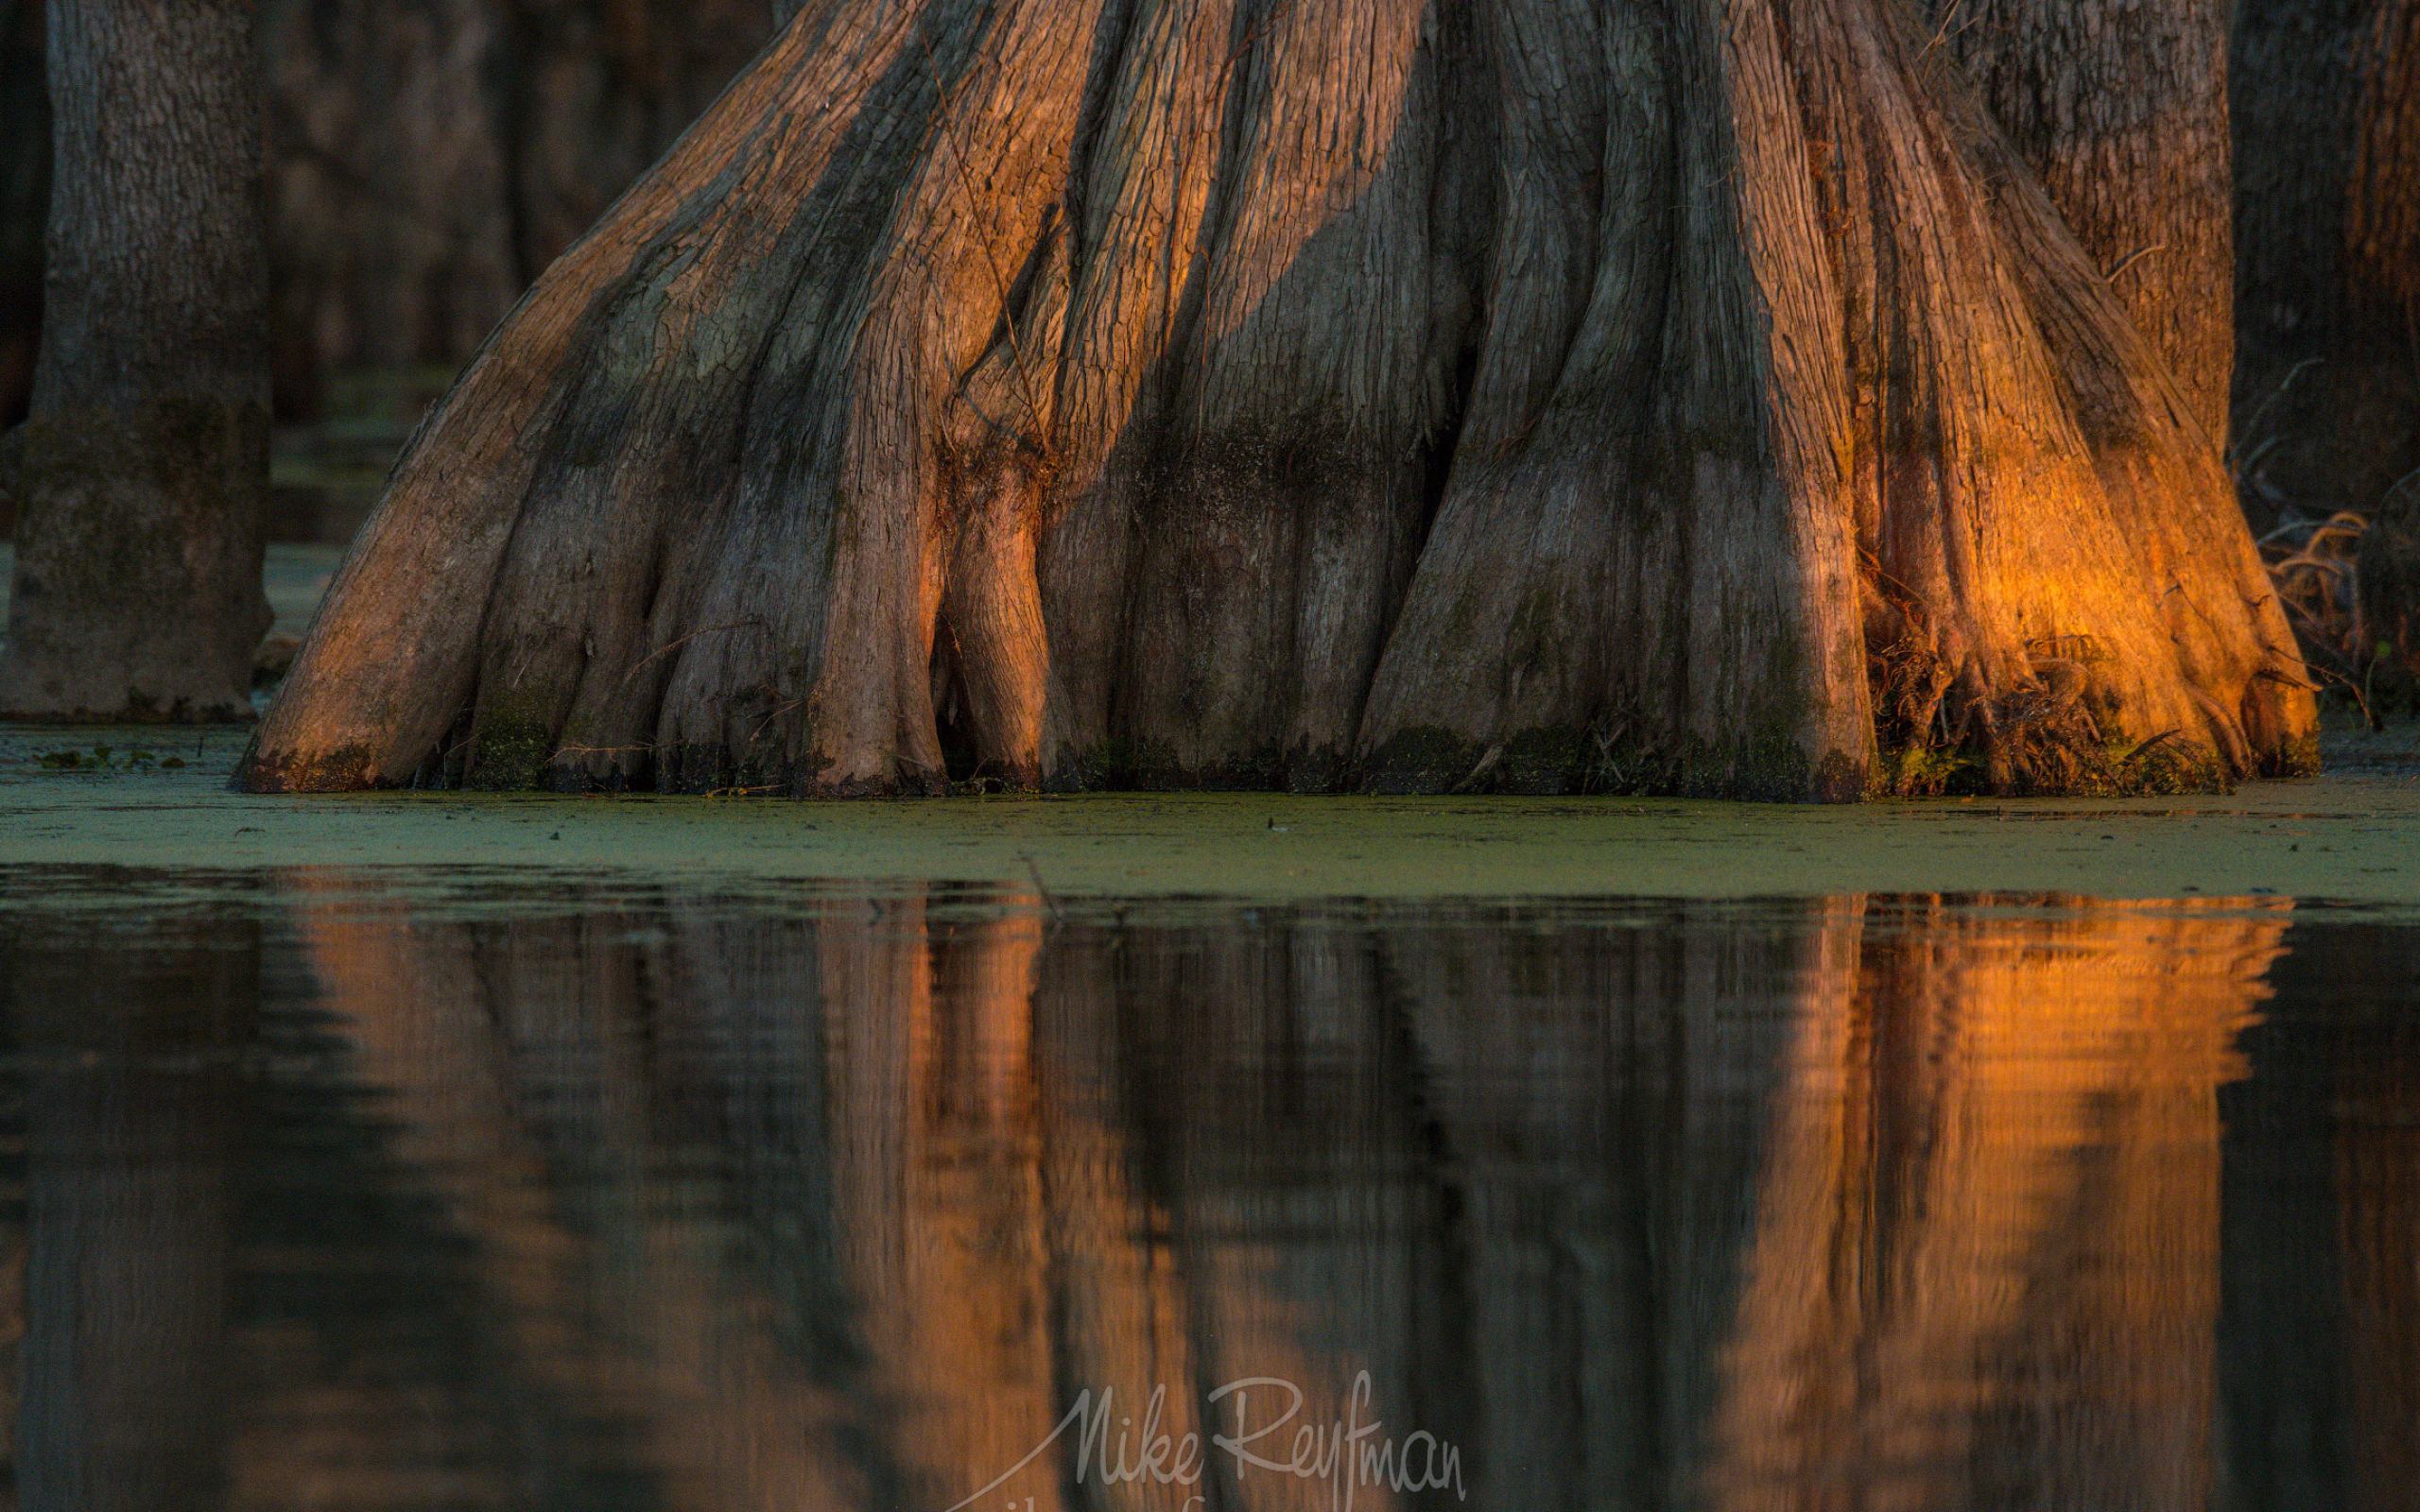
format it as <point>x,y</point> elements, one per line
<point>2352,834</point>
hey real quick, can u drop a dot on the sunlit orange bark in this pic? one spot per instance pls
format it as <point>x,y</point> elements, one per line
<point>2122,108</point>
<point>937,1172</point>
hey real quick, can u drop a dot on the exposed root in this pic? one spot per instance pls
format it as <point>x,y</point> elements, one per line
<point>2316,565</point>
<point>1947,730</point>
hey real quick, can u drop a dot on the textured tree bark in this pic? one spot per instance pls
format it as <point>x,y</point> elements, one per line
<point>138,581</point>
<point>2120,109</point>
<point>1515,397</point>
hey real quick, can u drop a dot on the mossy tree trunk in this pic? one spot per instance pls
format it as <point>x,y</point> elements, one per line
<point>137,593</point>
<point>1517,396</point>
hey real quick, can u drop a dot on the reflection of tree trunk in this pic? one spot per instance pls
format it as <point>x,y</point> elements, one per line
<point>1598,1092</point>
<point>2378,1174</point>
<point>1271,1107</point>
<point>2372,1088</point>
<point>937,1182</point>
<point>846,1210</point>
<point>509,1051</point>
<point>2280,1328</point>
<point>1986,1270</point>
<point>131,1127</point>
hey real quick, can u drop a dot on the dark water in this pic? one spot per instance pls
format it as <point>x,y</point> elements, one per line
<point>321,1195</point>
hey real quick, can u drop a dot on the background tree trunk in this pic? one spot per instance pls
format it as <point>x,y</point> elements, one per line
<point>431,157</point>
<point>138,581</point>
<point>2120,108</point>
<point>427,159</point>
<point>25,204</point>
<point>1519,397</point>
<point>390,233</point>
<point>2326,97</point>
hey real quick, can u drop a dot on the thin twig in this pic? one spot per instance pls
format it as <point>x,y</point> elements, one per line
<point>2132,258</point>
<point>794,703</point>
<point>1941,34</point>
<point>1039,885</point>
<point>2251,422</point>
<point>641,664</point>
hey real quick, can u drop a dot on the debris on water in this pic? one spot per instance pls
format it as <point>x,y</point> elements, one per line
<point>102,759</point>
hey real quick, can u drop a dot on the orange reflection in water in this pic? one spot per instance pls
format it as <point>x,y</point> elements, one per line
<point>1986,1259</point>
<point>1883,1206</point>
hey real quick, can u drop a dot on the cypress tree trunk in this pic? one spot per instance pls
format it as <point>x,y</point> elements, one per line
<point>1518,396</point>
<point>146,454</point>
<point>2120,108</point>
<point>2325,94</point>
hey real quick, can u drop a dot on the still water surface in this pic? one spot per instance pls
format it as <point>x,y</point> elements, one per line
<point>328,1193</point>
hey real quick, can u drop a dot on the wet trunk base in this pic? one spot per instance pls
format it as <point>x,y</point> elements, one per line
<point>137,594</point>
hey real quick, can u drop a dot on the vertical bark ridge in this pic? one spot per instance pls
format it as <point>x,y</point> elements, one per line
<point>1138,209</point>
<point>2058,573</point>
<point>1650,575</point>
<point>1302,388</point>
<point>2120,109</point>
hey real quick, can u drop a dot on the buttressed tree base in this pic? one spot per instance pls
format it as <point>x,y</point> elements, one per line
<point>1527,395</point>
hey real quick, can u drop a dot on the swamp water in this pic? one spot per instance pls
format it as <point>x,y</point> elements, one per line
<point>424,1151</point>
